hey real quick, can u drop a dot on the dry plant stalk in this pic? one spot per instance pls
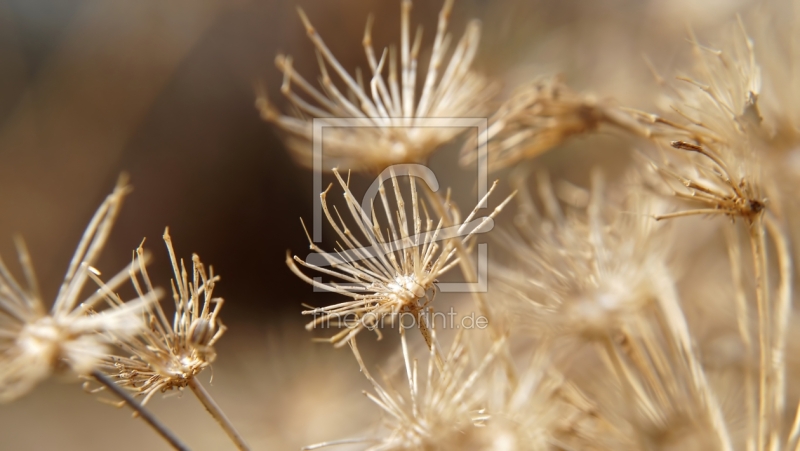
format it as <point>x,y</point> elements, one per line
<point>725,172</point>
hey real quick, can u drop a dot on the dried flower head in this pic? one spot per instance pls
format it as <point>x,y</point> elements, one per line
<point>34,342</point>
<point>719,128</point>
<point>542,115</point>
<point>541,411</point>
<point>597,273</point>
<point>396,271</point>
<point>669,401</point>
<point>581,273</point>
<point>169,354</point>
<point>439,415</point>
<point>392,127</point>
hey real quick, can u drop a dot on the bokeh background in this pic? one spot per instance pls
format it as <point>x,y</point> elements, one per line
<point>164,91</point>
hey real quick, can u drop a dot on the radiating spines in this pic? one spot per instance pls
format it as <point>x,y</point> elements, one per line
<point>542,410</point>
<point>386,119</point>
<point>462,400</point>
<point>706,181</point>
<point>168,353</point>
<point>596,278</point>
<point>436,407</point>
<point>74,334</point>
<point>713,123</point>
<point>391,265</point>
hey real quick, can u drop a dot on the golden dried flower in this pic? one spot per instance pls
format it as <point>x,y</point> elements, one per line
<point>598,274</point>
<point>729,169</point>
<point>169,354</point>
<point>394,272</point>
<point>467,402</point>
<point>542,115</point>
<point>439,415</point>
<point>541,411</point>
<point>719,128</point>
<point>391,113</point>
<point>34,342</point>
<point>583,273</point>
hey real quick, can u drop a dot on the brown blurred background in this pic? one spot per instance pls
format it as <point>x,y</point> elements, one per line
<point>164,91</point>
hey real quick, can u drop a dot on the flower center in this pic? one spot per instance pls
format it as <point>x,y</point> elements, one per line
<point>40,336</point>
<point>407,289</point>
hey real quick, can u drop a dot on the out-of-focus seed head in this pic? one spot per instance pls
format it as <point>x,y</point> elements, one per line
<point>74,334</point>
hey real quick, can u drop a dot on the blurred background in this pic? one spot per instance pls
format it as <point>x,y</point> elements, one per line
<point>164,91</point>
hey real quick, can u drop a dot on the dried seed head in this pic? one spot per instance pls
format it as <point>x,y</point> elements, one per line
<point>720,133</point>
<point>583,273</point>
<point>73,334</point>
<point>389,115</point>
<point>170,353</point>
<point>542,115</point>
<point>396,271</point>
<point>468,403</point>
<point>441,413</point>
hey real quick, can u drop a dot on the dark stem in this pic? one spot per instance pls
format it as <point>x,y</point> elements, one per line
<point>216,412</point>
<point>145,414</point>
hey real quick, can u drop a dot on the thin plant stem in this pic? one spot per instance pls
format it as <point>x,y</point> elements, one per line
<point>783,310</point>
<point>674,323</point>
<point>469,272</point>
<point>793,443</point>
<point>143,413</point>
<point>743,320</point>
<point>650,361</point>
<point>757,246</point>
<point>216,412</point>
<point>426,334</point>
<point>615,365</point>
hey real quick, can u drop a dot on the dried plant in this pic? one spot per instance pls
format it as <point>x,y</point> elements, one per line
<point>581,273</point>
<point>719,127</point>
<point>439,415</point>
<point>542,115</point>
<point>592,276</point>
<point>171,354</point>
<point>609,326</point>
<point>542,411</point>
<point>393,273</point>
<point>74,333</point>
<point>725,171</point>
<point>390,112</point>
<point>597,275</point>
